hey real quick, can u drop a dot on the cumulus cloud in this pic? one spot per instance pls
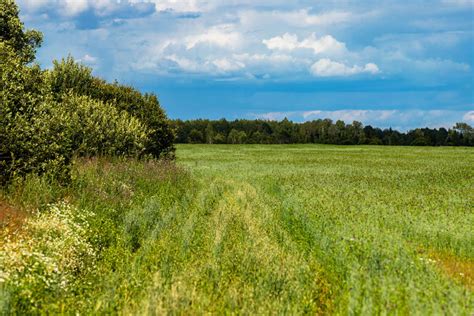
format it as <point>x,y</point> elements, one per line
<point>325,46</point>
<point>328,68</point>
<point>88,59</point>
<point>267,40</point>
<point>469,117</point>
<point>88,14</point>
<point>220,35</point>
<point>226,65</point>
<point>186,64</point>
<point>73,7</point>
<point>285,42</point>
<point>289,42</point>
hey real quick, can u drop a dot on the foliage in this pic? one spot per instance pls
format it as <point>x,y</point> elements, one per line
<point>144,107</point>
<point>68,77</point>
<point>47,117</point>
<point>96,128</point>
<point>195,137</point>
<point>31,137</point>
<point>318,131</point>
<point>12,33</point>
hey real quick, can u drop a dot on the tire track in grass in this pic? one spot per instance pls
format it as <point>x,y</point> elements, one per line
<point>236,262</point>
<point>277,271</point>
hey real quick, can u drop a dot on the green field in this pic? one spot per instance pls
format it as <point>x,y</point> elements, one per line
<point>267,229</point>
<point>338,228</point>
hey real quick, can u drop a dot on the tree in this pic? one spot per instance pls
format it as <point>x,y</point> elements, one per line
<point>317,131</point>
<point>13,34</point>
<point>219,139</point>
<point>31,137</point>
<point>285,131</point>
<point>233,137</point>
<point>210,133</point>
<point>30,131</point>
<point>236,137</point>
<point>242,137</point>
<point>195,137</point>
<point>466,131</point>
<point>356,133</point>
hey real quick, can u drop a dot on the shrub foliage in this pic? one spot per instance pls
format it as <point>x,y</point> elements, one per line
<point>47,117</point>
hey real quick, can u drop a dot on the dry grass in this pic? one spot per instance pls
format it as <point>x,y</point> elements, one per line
<point>11,218</point>
<point>462,270</point>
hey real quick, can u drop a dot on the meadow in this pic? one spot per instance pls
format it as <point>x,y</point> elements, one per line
<point>248,229</point>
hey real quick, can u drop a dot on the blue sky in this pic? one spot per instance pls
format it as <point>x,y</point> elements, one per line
<point>400,64</point>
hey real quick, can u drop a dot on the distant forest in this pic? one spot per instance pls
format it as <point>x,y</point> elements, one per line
<point>318,131</point>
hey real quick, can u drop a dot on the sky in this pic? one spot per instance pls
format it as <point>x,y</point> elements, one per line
<point>400,64</point>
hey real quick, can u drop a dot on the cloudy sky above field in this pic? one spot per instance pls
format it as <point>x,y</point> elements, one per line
<point>388,63</point>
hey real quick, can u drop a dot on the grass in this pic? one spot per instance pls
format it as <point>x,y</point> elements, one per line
<point>258,229</point>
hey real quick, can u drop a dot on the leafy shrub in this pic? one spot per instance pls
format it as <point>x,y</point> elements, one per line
<point>31,138</point>
<point>146,108</point>
<point>96,128</point>
<point>67,76</point>
<point>47,117</point>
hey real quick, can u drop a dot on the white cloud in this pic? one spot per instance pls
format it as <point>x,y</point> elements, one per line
<point>328,68</point>
<point>73,7</point>
<point>179,5</point>
<point>88,59</point>
<point>325,44</point>
<point>469,117</point>
<point>285,42</point>
<point>227,36</point>
<point>34,4</point>
<point>351,115</point>
<point>185,63</point>
<point>65,7</point>
<point>371,68</point>
<point>221,35</point>
<point>298,18</point>
<point>226,65</point>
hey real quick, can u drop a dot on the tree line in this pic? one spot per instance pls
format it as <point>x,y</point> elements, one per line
<point>49,116</point>
<point>322,131</point>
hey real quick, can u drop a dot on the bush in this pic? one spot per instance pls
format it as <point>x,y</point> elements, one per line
<point>67,77</point>
<point>31,137</point>
<point>47,117</point>
<point>96,128</point>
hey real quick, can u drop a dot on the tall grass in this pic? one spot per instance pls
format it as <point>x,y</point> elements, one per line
<point>251,230</point>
